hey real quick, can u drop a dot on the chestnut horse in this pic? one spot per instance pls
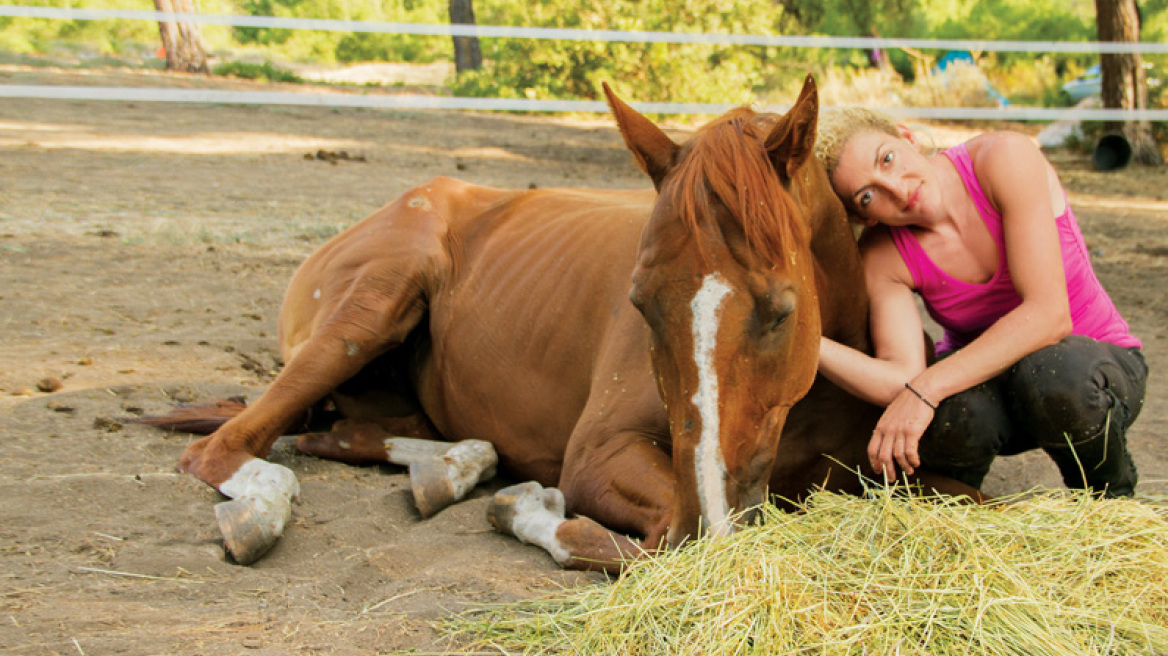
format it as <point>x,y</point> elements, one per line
<point>479,315</point>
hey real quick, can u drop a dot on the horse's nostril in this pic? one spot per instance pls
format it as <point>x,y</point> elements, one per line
<point>750,505</point>
<point>750,516</point>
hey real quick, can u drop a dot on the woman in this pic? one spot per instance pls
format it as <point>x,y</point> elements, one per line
<point>1034,353</point>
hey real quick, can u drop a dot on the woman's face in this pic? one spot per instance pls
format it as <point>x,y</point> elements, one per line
<point>883,178</point>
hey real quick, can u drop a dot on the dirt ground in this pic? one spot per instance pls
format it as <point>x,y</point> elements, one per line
<point>143,252</point>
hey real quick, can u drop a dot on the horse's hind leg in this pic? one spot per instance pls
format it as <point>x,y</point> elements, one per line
<point>441,473</point>
<point>348,315</point>
<point>231,458</point>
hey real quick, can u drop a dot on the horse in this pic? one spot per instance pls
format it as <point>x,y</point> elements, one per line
<point>644,360</point>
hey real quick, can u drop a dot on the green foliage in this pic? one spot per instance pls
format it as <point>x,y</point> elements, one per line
<point>103,37</point>
<point>261,35</point>
<point>112,37</point>
<point>358,47</point>
<point>574,69</point>
<point>40,35</point>
<point>1019,20</point>
<point>341,46</point>
<point>887,18</point>
<point>266,72</point>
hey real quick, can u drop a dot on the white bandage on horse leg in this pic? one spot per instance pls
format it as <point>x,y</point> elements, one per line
<point>470,462</point>
<point>267,486</point>
<point>440,480</point>
<point>405,450</point>
<point>533,514</point>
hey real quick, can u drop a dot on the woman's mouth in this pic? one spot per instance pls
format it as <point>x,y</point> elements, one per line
<point>913,198</point>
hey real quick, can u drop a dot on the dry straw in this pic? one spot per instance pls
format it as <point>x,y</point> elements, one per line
<point>1056,573</point>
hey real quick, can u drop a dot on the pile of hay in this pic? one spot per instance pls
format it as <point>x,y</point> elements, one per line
<point>1057,574</point>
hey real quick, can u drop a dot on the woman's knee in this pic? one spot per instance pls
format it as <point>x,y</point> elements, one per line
<point>1072,389</point>
<point>967,432</point>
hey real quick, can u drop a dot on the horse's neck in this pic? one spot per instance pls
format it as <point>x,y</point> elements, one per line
<point>843,298</point>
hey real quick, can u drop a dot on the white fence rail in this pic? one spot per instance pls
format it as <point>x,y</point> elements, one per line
<point>409,101</point>
<point>488,31</point>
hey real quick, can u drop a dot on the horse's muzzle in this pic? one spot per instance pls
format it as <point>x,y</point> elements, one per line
<point>750,505</point>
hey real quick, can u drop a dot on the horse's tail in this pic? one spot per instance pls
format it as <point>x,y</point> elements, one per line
<point>202,419</point>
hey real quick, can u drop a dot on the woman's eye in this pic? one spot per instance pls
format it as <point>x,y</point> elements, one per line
<point>865,199</point>
<point>888,157</point>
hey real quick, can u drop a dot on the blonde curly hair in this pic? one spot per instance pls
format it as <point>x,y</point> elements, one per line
<point>838,124</point>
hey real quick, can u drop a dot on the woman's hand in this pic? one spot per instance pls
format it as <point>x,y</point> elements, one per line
<point>898,435</point>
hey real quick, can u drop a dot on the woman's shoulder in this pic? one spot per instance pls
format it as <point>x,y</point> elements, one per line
<point>1000,146</point>
<point>1006,160</point>
<point>881,256</point>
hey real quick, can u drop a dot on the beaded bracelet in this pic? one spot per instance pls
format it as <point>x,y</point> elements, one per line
<point>920,396</point>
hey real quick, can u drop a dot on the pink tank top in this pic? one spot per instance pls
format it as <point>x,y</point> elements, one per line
<point>965,310</point>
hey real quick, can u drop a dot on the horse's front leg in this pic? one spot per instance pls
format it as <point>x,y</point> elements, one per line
<point>616,490</point>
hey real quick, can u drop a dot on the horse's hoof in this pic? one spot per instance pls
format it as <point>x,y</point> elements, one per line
<point>247,531</point>
<point>439,481</point>
<point>431,484</point>
<point>511,504</point>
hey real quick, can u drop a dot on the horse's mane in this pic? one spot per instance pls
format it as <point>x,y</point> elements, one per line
<point>727,158</point>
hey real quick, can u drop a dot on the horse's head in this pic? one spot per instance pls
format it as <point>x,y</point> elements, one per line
<point>725,280</point>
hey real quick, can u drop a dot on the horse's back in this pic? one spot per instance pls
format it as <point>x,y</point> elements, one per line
<point>436,226</point>
<point>563,252</point>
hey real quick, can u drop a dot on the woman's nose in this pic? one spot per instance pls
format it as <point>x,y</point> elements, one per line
<point>898,189</point>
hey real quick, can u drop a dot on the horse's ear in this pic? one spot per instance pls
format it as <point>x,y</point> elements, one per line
<point>792,141</point>
<point>650,145</point>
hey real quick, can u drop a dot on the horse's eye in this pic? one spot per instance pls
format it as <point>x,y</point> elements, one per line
<point>780,319</point>
<point>774,310</point>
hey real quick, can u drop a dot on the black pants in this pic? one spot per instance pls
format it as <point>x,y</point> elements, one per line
<point>1074,400</point>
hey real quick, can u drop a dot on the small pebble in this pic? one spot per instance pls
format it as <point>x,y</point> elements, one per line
<point>49,384</point>
<point>107,424</point>
<point>57,406</point>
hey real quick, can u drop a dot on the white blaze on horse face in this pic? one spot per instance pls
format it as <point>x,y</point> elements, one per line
<point>708,460</point>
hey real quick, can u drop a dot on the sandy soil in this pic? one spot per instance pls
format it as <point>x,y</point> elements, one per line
<point>143,253</point>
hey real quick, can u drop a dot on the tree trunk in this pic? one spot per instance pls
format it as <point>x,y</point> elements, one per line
<point>467,55</point>
<point>1124,84</point>
<point>182,41</point>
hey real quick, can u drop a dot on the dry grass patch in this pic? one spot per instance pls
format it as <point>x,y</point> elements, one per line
<point>1057,573</point>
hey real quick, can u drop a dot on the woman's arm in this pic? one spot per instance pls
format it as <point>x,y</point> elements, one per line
<point>894,324</point>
